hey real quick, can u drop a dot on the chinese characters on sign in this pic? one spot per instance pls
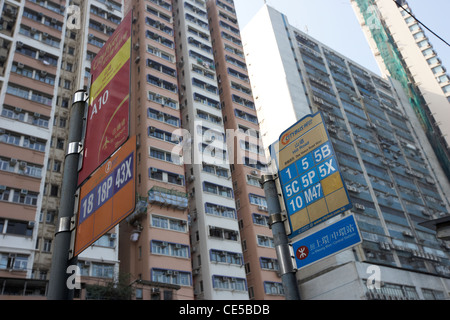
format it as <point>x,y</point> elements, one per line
<point>108,114</point>
<point>332,239</point>
<point>312,186</point>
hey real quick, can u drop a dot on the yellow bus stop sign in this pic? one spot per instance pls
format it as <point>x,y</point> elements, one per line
<point>311,182</point>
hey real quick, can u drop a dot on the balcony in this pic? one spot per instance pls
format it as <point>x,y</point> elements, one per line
<point>165,197</point>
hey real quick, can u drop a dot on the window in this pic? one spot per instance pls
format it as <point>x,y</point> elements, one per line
<point>254,181</point>
<point>164,156</point>
<point>107,240</point>
<point>57,166</point>
<point>163,117</point>
<point>216,232</point>
<point>169,223</point>
<point>229,283</point>
<point>7,164</point>
<point>25,197</point>
<point>33,143</point>
<point>181,278</point>
<point>269,264</point>
<point>54,190</point>
<point>274,288</point>
<point>13,113</point>
<point>102,270</point>
<point>265,241</point>
<point>226,257</point>
<point>260,219</point>
<point>218,189</point>
<point>47,245</point>
<point>21,228</point>
<point>257,200</point>
<point>169,249</point>
<point>220,210</point>
<point>60,144</point>
<point>50,216</point>
<point>13,261</point>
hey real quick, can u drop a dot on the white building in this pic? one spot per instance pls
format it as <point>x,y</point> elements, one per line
<point>214,225</point>
<point>404,52</point>
<point>383,157</point>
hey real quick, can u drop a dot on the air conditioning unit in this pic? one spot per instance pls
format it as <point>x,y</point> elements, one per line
<point>262,208</point>
<point>359,206</point>
<point>407,233</point>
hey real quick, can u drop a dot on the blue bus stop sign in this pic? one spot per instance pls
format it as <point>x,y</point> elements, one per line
<point>330,240</point>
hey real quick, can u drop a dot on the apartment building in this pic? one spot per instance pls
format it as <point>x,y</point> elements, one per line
<point>200,161</point>
<point>32,39</point>
<point>155,245</point>
<point>404,52</point>
<point>248,160</point>
<point>46,59</point>
<point>215,239</point>
<point>384,157</point>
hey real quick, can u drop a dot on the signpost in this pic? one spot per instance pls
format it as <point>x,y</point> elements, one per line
<point>107,123</point>
<point>311,183</point>
<point>107,197</point>
<point>330,240</point>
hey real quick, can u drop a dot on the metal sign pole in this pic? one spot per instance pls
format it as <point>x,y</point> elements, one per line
<point>280,238</point>
<point>58,288</point>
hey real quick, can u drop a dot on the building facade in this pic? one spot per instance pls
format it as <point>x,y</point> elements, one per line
<point>385,160</point>
<point>246,152</point>
<point>199,159</point>
<point>155,245</point>
<point>47,48</point>
<point>404,52</point>
<point>32,38</point>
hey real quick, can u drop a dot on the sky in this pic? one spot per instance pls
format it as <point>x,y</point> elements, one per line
<point>334,23</point>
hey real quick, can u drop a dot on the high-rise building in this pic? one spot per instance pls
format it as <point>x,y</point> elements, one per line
<point>200,228</point>
<point>203,230</point>
<point>32,37</point>
<point>404,52</point>
<point>214,225</point>
<point>246,152</point>
<point>155,245</point>
<point>47,47</point>
<point>383,154</point>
